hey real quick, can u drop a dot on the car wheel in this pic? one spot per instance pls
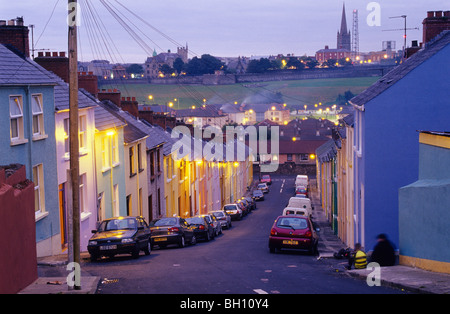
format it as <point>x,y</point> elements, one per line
<point>208,237</point>
<point>193,240</point>
<point>229,226</point>
<point>182,242</point>
<point>148,248</point>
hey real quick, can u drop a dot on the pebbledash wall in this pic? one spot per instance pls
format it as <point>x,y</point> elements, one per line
<point>424,236</point>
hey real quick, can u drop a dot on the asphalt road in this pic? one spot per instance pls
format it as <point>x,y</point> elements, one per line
<point>236,262</point>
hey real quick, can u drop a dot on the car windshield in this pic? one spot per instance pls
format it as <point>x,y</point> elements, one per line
<point>195,221</point>
<point>218,214</point>
<point>257,192</point>
<point>118,224</point>
<point>291,222</point>
<point>163,222</point>
<point>229,207</point>
<point>261,185</point>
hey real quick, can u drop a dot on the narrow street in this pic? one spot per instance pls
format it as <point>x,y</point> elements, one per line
<point>236,262</point>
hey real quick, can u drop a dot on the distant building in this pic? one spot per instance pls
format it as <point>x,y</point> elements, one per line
<point>327,54</point>
<point>344,40</point>
<point>153,63</point>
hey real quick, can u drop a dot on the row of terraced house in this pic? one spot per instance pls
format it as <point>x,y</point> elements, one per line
<point>127,164</point>
<point>386,168</point>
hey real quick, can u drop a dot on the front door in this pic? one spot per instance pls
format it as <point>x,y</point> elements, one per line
<point>63,215</point>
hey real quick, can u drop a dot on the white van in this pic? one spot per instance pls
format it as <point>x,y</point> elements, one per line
<point>296,211</point>
<point>302,203</point>
<point>302,180</point>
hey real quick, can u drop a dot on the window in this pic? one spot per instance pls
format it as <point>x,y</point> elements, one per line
<point>16,118</point>
<point>115,149</point>
<point>139,157</point>
<point>152,164</point>
<point>38,115</point>
<point>66,137</point>
<point>158,160</point>
<point>82,133</point>
<point>105,153</point>
<point>129,205</point>
<point>38,180</point>
<point>289,157</point>
<point>82,193</point>
<point>132,167</point>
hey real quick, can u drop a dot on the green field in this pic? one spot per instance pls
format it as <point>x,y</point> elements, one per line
<point>298,92</point>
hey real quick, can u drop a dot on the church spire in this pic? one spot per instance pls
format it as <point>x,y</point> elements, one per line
<point>343,21</point>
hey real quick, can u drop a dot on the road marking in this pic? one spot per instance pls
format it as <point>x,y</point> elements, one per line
<point>282,185</point>
<point>260,291</point>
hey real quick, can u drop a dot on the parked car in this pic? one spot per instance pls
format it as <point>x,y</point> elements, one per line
<point>251,201</point>
<point>201,227</point>
<point>300,189</point>
<point>266,179</point>
<point>222,217</point>
<point>171,230</point>
<point>263,187</point>
<point>302,180</point>
<point>120,235</point>
<point>217,226</point>
<point>245,206</point>
<point>258,195</point>
<point>293,232</point>
<point>233,210</point>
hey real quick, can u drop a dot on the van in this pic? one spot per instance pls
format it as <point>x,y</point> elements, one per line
<point>302,180</point>
<point>303,203</point>
<point>296,211</point>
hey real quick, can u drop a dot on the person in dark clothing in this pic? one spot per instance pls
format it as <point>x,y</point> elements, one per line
<point>384,252</point>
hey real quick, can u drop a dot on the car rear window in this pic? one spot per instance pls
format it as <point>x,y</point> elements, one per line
<point>164,222</point>
<point>266,177</point>
<point>195,220</point>
<point>229,207</point>
<point>218,214</point>
<point>291,222</point>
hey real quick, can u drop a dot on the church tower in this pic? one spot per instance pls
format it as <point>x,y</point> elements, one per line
<point>343,36</point>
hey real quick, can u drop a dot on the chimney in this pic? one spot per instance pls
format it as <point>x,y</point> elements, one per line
<point>130,105</point>
<point>111,95</point>
<point>89,82</point>
<point>14,35</point>
<point>435,23</point>
<point>55,62</point>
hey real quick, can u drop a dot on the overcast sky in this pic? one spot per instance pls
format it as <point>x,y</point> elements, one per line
<point>226,28</point>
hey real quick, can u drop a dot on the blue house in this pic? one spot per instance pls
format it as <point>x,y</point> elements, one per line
<point>424,206</point>
<point>27,128</point>
<point>413,96</point>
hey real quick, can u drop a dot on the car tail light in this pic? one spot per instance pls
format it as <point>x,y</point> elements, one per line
<point>308,234</point>
<point>174,229</point>
<point>201,227</point>
<point>273,232</point>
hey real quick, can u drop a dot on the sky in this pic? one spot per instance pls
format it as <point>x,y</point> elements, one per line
<point>225,28</point>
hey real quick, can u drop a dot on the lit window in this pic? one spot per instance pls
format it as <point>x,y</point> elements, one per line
<point>38,115</point>
<point>82,202</point>
<point>82,132</point>
<point>66,137</point>
<point>16,117</point>
<point>38,180</point>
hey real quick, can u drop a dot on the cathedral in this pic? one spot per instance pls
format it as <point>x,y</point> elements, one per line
<point>343,36</point>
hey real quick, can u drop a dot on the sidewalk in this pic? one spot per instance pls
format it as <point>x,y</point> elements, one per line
<point>411,279</point>
<point>53,278</point>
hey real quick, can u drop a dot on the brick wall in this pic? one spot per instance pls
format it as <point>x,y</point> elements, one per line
<point>18,259</point>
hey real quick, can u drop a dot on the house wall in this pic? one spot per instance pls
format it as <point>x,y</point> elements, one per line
<point>419,101</point>
<point>157,207</point>
<point>424,214</point>
<point>88,201</point>
<point>32,153</point>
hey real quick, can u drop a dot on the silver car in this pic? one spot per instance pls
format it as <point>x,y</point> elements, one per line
<point>222,217</point>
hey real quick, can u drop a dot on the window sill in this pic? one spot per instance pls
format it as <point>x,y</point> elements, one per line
<point>39,137</point>
<point>85,215</point>
<point>19,142</point>
<point>40,216</point>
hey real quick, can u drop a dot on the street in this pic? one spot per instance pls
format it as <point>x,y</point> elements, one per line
<point>236,262</point>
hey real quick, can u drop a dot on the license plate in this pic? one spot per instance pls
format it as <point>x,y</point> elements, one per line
<point>290,242</point>
<point>108,247</point>
<point>160,239</point>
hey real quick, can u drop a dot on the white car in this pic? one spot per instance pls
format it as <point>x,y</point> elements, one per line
<point>263,187</point>
<point>233,210</point>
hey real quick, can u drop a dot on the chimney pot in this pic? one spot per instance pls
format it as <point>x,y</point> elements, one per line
<point>54,54</point>
<point>133,98</point>
<point>438,13</point>
<point>90,73</point>
<point>11,23</point>
<point>2,23</point>
<point>48,54</point>
<point>40,54</point>
<point>447,13</point>
<point>62,54</point>
<point>430,14</point>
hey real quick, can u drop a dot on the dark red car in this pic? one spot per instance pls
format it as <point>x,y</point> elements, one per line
<point>293,232</point>
<point>266,179</point>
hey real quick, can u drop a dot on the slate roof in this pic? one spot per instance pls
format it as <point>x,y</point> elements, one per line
<point>15,70</point>
<point>130,133</point>
<point>209,111</point>
<point>403,69</point>
<point>62,97</point>
<point>327,151</point>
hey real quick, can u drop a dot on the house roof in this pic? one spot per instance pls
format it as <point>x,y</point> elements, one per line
<point>300,146</point>
<point>327,151</point>
<point>15,70</point>
<point>209,111</point>
<point>62,97</point>
<point>403,69</point>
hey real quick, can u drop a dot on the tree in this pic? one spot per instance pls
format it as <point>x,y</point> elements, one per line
<point>259,66</point>
<point>207,64</point>
<point>295,64</point>
<point>166,69</point>
<point>178,65</point>
<point>311,63</point>
<point>135,68</point>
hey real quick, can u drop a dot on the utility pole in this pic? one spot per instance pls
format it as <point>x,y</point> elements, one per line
<point>404,29</point>
<point>73,137</point>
